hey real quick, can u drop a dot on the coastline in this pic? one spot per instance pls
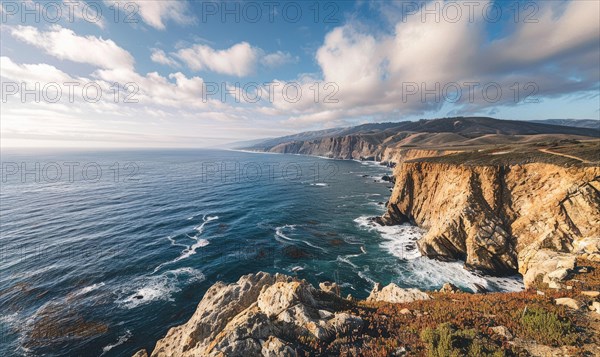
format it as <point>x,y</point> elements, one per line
<point>556,283</point>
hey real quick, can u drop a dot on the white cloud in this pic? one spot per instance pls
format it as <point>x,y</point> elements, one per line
<point>64,44</point>
<point>156,12</point>
<point>238,60</point>
<point>31,72</point>
<point>278,58</point>
<point>159,56</point>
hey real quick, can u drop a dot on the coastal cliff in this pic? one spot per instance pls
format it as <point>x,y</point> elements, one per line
<point>498,218</point>
<point>396,142</point>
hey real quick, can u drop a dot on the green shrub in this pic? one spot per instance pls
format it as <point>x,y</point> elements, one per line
<point>547,327</point>
<point>445,341</point>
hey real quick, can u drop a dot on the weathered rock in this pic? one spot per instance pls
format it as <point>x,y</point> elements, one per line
<point>572,303</point>
<point>449,288</point>
<point>405,311</point>
<point>595,257</point>
<point>592,294</point>
<point>550,266</point>
<point>555,285</point>
<point>346,323</point>
<point>259,315</point>
<point>595,306</point>
<point>395,294</point>
<point>274,347</point>
<point>558,275</point>
<point>140,353</point>
<point>330,287</point>
<point>503,331</point>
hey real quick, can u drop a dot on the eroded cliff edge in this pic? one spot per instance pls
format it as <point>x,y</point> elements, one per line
<point>497,218</point>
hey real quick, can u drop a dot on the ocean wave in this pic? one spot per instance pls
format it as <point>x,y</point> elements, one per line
<point>189,250</point>
<point>88,289</point>
<point>279,235</point>
<point>121,340</point>
<point>161,287</point>
<point>400,240</point>
<point>364,276</point>
<point>345,259</point>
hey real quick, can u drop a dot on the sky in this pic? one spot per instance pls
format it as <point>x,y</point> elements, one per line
<point>144,73</point>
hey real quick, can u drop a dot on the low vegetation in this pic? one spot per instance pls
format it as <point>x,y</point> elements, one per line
<point>464,324</point>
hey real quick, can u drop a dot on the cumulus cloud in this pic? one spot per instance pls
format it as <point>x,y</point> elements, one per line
<point>65,44</point>
<point>374,69</point>
<point>159,56</point>
<point>238,60</point>
<point>278,58</point>
<point>156,12</point>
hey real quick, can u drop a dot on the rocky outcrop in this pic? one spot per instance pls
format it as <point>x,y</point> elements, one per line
<point>395,294</point>
<point>449,288</point>
<point>259,315</point>
<point>498,218</point>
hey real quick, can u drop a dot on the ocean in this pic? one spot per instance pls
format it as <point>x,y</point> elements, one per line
<point>101,252</point>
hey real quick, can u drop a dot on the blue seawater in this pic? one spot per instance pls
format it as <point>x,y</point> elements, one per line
<point>101,252</point>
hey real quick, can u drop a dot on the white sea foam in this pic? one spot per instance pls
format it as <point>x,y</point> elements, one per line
<point>89,289</point>
<point>401,241</point>
<point>153,288</point>
<point>282,238</point>
<point>174,243</point>
<point>435,273</point>
<point>345,259</point>
<point>366,277</point>
<point>121,340</point>
<point>321,184</point>
<point>9,319</point>
<point>190,250</point>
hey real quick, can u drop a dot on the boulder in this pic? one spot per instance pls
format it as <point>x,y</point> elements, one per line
<point>395,294</point>
<point>405,311</point>
<point>592,294</point>
<point>449,288</point>
<point>503,331</point>
<point>551,266</point>
<point>571,303</point>
<point>330,287</point>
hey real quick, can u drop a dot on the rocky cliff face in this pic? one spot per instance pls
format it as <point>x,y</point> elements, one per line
<point>497,218</point>
<point>355,147</point>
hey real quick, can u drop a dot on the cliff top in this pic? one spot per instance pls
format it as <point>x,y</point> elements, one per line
<point>562,153</point>
<point>446,131</point>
